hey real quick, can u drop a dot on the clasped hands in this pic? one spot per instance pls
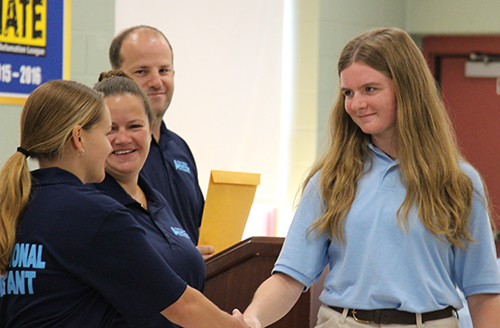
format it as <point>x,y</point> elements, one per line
<point>251,322</point>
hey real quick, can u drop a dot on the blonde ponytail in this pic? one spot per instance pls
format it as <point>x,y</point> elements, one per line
<point>15,187</point>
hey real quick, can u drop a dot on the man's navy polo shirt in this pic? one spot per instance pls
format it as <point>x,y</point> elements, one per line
<point>170,168</point>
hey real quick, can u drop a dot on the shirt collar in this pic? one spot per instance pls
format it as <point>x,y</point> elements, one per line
<point>379,153</point>
<point>112,187</point>
<point>55,175</point>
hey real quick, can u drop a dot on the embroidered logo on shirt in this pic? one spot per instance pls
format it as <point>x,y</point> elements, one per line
<point>180,232</point>
<point>182,166</point>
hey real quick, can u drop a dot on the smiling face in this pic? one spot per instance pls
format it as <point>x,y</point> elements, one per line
<point>370,101</point>
<point>130,136</point>
<point>147,58</point>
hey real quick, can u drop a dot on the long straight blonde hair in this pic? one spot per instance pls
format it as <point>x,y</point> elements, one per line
<point>425,141</point>
<point>47,120</point>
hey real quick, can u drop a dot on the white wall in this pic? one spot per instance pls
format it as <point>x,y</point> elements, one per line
<point>227,99</point>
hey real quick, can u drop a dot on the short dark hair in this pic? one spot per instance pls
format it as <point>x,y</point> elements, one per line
<point>116,45</point>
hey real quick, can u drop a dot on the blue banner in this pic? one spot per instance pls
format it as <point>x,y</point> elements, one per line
<point>33,47</point>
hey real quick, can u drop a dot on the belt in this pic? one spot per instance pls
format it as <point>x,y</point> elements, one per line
<point>391,316</point>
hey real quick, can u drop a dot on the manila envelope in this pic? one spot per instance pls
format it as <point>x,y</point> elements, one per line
<point>229,198</point>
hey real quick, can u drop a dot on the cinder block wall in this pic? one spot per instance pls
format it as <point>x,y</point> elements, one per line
<point>92,29</point>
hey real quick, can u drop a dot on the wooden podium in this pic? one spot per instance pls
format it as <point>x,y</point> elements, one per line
<point>234,274</point>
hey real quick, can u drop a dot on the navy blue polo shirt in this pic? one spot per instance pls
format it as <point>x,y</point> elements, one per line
<point>170,168</point>
<point>80,259</point>
<point>165,234</point>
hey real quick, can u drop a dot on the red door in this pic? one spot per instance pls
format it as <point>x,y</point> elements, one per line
<point>473,103</point>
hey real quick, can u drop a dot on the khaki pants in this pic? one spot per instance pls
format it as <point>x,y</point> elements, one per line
<point>328,318</point>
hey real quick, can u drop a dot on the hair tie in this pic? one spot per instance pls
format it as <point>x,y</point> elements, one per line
<point>23,151</point>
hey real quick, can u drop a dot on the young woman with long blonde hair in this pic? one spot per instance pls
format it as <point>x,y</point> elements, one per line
<point>400,218</point>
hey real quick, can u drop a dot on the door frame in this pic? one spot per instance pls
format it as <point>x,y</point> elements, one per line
<point>436,47</point>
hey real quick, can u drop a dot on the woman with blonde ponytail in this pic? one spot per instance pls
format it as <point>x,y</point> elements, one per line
<point>72,256</point>
<point>53,115</point>
<point>392,208</point>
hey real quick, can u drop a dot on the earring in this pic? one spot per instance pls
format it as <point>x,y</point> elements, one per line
<point>82,151</point>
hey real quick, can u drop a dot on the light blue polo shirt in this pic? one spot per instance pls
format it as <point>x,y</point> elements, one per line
<point>381,266</point>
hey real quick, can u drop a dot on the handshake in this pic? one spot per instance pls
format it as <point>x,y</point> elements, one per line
<point>248,321</point>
